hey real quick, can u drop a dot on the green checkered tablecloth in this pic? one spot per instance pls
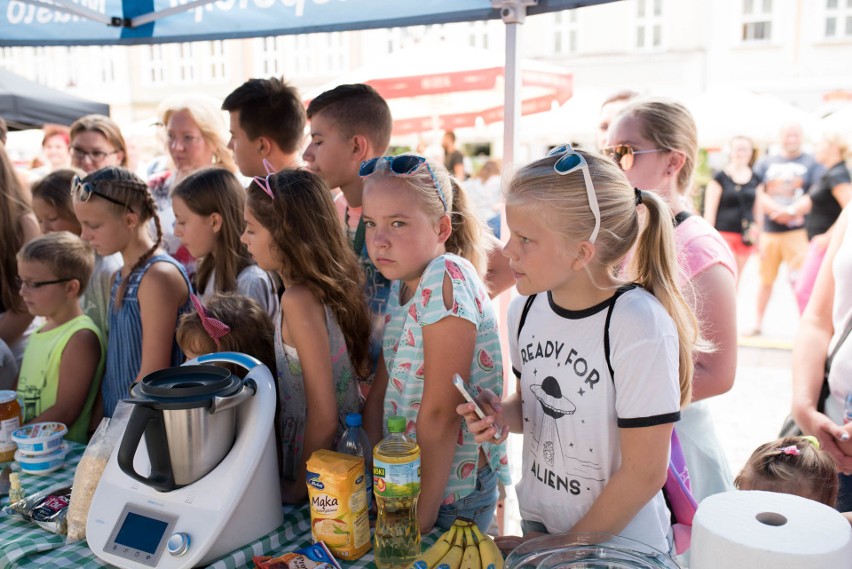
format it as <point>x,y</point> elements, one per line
<point>24,545</point>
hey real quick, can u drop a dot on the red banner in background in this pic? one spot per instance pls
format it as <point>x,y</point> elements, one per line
<point>562,85</point>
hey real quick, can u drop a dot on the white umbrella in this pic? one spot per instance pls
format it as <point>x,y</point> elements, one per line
<point>723,113</point>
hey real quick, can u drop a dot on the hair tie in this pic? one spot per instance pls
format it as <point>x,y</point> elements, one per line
<point>813,440</point>
<point>270,169</point>
<point>638,193</point>
<point>791,450</point>
<point>263,184</point>
<point>216,329</point>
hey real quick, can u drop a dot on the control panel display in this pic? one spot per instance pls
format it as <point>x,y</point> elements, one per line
<point>140,535</point>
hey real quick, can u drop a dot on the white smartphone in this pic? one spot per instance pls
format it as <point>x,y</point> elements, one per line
<point>460,385</point>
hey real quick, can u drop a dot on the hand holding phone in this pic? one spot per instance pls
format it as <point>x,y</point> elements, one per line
<point>460,385</point>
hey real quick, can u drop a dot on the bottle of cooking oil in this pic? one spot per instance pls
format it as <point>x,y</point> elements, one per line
<point>396,483</point>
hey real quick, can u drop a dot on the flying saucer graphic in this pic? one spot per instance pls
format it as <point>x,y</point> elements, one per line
<point>555,406</point>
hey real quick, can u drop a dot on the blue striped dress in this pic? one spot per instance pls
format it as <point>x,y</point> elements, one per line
<point>124,347</point>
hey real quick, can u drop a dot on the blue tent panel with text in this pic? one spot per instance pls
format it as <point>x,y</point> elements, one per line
<point>99,22</point>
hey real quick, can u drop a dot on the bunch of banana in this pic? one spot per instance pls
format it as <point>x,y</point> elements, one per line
<point>463,546</point>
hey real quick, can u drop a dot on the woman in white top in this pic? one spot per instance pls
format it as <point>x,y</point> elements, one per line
<point>826,318</point>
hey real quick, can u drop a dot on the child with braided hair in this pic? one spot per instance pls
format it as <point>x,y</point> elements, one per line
<point>151,290</point>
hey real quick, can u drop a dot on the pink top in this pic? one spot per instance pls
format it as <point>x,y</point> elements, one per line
<point>699,247</point>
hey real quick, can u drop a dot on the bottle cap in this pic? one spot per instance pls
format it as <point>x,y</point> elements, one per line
<point>353,419</point>
<point>396,424</point>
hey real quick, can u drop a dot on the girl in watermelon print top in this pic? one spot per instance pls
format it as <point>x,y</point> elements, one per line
<point>421,235</point>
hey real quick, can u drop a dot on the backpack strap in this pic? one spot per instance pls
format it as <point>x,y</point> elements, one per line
<point>618,293</point>
<point>524,312</point>
<point>527,305</point>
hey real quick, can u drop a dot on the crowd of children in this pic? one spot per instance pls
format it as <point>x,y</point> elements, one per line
<point>371,301</point>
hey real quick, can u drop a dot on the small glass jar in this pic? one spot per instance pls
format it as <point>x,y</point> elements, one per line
<point>10,421</point>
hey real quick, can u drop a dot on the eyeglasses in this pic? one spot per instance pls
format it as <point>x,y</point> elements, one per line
<point>35,285</point>
<point>84,191</point>
<point>623,154</point>
<point>403,165</point>
<point>96,156</point>
<point>185,140</point>
<point>571,161</point>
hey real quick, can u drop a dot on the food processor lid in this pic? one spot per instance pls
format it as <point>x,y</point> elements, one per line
<point>185,387</point>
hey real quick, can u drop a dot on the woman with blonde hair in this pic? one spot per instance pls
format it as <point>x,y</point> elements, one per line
<point>655,142</point>
<point>195,138</point>
<point>97,142</point>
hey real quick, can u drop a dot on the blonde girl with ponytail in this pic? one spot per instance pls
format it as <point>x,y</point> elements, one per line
<point>151,290</point>
<point>422,236</point>
<point>603,365</point>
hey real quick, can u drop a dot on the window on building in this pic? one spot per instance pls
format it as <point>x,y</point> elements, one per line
<point>757,20</point>
<point>185,63</point>
<point>565,30</point>
<point>478,34</point>
<point>155,64</point>
<point>838,19</point>
<point>649,24</point>
<point>215,64</point>
<point>267,64</point>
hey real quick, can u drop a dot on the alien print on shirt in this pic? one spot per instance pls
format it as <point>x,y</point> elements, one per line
<point>573,408</point>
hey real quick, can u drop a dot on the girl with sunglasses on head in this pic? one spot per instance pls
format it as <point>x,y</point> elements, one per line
<point>148,293</point>
<point>655,142</point>
<point>54,209</point>
<point>603,364</point>
<point>421,235</point>
<point>208,207</point>
<point>322,330</point>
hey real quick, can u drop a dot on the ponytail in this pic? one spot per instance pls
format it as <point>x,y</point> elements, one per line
<point>654,267</point>
<point>466,237</point>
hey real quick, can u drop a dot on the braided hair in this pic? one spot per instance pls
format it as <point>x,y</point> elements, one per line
<point>124,186</point>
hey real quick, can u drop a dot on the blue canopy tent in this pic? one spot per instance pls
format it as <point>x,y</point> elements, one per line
<point>128,22</point>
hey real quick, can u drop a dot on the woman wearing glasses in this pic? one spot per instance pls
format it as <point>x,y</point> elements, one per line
<point>151,290</point>
<point>195,139</point>
<point>18,226</point>
<point>97,142</point>
<point>655,142</point>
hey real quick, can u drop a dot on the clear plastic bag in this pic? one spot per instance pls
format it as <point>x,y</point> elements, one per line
<point>91,467</point>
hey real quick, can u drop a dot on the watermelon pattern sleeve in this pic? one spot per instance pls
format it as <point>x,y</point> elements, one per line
<point>403,351</point>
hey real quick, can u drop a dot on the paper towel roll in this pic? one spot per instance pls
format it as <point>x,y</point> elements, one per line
<point>752,530</point>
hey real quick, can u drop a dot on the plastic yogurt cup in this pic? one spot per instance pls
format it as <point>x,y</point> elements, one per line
<point>43,463</point>
<point>39,438</point>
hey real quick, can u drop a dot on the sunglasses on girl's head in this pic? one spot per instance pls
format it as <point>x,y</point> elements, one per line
<point>571,161</point>
<point>85,190</point>
<point>623,154</point>
<point>404,165</point>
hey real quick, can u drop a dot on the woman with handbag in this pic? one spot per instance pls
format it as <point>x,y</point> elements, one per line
<point>824,329</point>
<point>729,200</point>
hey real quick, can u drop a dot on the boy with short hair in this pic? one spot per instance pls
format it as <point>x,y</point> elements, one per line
<point>64,359</point>
<point>351,124</point>
<point>267,122</point>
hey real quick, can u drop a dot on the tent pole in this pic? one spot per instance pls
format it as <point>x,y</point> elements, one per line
<point>513,13</point>
<point>159,14</point>
<point>71,8</point>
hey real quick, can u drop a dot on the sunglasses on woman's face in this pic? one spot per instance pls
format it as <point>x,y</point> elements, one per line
<point>571,161</point>
<point>623,154</point>
<point>403,165</point>
<point>84,191</point>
